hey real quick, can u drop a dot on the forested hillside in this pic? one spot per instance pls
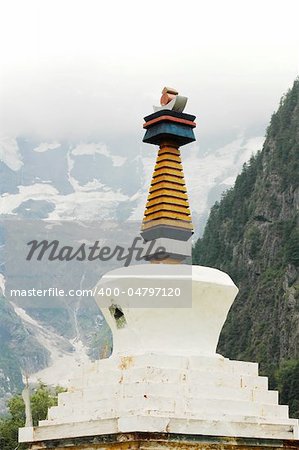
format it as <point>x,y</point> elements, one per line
<point>253,235</point>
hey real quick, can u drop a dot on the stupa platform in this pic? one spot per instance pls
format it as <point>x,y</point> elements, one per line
<point>173,394</point>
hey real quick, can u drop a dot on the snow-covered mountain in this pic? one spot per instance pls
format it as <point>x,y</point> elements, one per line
<point>94,181</point>
<point>89,181</point>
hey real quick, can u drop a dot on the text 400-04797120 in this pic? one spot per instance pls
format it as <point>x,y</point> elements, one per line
<point>140,292</point>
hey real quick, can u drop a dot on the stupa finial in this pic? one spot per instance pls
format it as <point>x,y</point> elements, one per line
<point>171,100</point>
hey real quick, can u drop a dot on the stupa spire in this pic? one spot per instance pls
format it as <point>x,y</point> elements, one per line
<point>167,214</point>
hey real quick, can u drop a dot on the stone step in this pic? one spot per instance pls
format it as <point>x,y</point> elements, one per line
<point>233,426</point>
<point>231,407</point>
<point>233,380</point>
<point>169,390</point>
<point>169,375</point>
<point>206,422</point>
<point>178,405</point>
<point>201,363</point>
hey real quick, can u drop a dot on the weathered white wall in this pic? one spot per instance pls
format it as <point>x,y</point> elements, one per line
<point>190,325</point>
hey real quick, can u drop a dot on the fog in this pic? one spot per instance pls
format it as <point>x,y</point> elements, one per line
<point>90,70</point>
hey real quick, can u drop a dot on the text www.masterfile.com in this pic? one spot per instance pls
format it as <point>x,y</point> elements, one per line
<point>105,292</point>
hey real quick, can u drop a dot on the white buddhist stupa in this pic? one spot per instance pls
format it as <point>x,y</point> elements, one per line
<point>164,385</point>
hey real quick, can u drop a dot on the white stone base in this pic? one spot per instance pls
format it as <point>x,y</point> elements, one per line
<point>176,394</point>
<point>164,374</point>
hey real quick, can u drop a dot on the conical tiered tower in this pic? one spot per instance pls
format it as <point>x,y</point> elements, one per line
<point>168,200</point>
<point>167,215</point>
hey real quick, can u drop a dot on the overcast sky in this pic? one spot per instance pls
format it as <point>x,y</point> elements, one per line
<point>87,69</point>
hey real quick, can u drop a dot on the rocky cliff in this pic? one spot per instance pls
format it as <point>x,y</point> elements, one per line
<point>253,235</point>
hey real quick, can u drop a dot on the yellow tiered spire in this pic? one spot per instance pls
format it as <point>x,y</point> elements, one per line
<point>168,201</point>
